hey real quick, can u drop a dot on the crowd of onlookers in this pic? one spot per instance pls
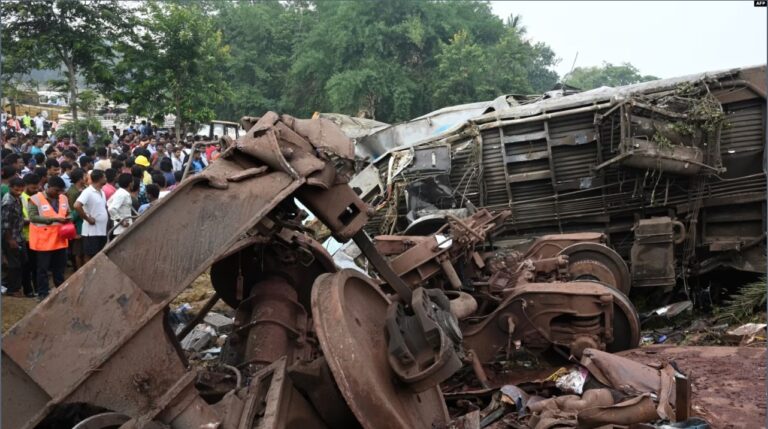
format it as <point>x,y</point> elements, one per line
<point>63,201</point>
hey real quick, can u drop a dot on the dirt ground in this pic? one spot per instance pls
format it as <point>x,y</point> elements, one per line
<point>728,383</point>
<point>197,294</point>
<point>14,309</point>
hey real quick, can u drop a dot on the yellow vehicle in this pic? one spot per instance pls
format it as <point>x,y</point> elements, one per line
<point>50,103</point>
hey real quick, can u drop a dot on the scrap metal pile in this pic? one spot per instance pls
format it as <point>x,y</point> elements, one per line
<point>430,337</point>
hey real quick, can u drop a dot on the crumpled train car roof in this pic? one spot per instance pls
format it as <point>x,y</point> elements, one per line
<point>456,118</point>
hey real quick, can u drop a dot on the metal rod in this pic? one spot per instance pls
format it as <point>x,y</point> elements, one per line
<point>364,242</point>
<point>189,161</point>
<point>195,145</point>
<point>465,227</point>
<point>477,367</point>
<point>450,273</point>
<point>199,317</point>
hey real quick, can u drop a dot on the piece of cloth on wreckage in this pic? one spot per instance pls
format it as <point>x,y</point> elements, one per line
<point>633,393</point>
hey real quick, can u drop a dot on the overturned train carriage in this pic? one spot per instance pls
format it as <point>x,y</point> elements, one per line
<point>672,171</point>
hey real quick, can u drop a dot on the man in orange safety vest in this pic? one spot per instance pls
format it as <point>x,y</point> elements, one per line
<point>48,210</point>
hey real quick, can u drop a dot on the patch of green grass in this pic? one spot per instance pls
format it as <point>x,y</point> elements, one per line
<point>746,304</point>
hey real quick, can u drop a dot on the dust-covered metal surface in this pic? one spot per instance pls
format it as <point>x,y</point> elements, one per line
<point>565,294</point>
<point>351,318</point>
<point>85,332</point>
<point>102,338</point>
<point>689,148</point>
<point>101,347</point>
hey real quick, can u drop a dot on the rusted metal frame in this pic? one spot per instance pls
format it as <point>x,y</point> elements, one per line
<point>157,307</point>
<point>57,399</point>
<point>282,195</point>
<point>481,168</point>
<point>465,227</point>
<point>597,121</point>
<point>504,159</point>
<point>553,175</point>
<point>170,395</point>
<point>199,317</point>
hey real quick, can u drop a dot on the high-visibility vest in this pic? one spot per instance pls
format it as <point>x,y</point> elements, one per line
<point>44,237</point>
<point>25,211</point>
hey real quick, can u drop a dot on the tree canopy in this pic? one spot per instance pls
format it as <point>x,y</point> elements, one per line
<point>79,34</point>
<point>388,60</point>
<point>398,59</point>
<point>176,67</point>
<point>606,75</point>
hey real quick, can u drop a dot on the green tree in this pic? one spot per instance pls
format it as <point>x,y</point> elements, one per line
<point>261,37</point>
<point>606,75</point>
<point>463,72</point>
<point>18,59</point>
<point>80,34</point>
<point>87,101</point>
<point>397,59</point>
<point>176,67</point>
<point>469,72</point>
<point>79,130</point>
<point>520,65</point>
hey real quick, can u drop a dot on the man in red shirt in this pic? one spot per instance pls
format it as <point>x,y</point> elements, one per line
<point>109,187</point>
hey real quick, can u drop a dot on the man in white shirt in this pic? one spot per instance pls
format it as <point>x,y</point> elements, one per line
<point>91,205</point>
<point>39,123</point>
<point>177,159</point>
<point>104,162</point>
<point>120,204</point>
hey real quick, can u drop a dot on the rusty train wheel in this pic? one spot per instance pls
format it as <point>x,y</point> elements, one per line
<point>626,323</point>
<point>596,262</point>
<point>349,312</point>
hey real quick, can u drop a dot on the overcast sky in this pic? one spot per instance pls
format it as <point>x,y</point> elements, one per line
<point>664,39</point>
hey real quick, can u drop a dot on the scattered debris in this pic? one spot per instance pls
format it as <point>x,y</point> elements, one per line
<point>747,334</point>
<point>668,311</point>
<point>221,323</point>
<point>199,338</point>
<point>573,381</point>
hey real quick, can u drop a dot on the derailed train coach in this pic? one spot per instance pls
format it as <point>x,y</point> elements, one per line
<point>672,172</point>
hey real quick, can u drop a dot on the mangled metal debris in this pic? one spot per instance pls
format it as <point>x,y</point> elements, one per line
<point>449,323</point>
<point>671,170</point>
